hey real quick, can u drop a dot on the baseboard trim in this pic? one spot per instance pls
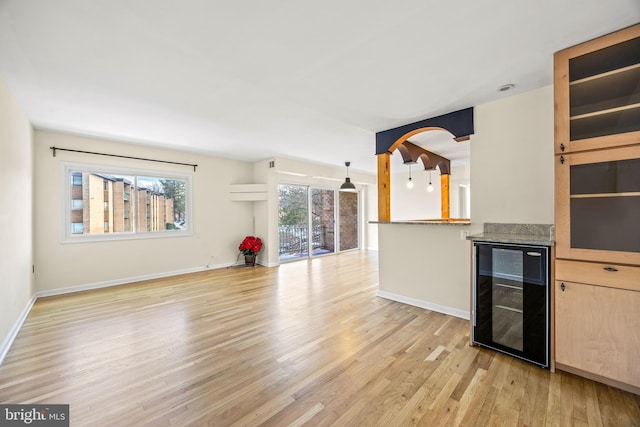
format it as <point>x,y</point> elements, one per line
<point>13,333</point>
<point>8,341</point>
<point>595,377</point>
<point>126,281</point>
<point>463,314</point>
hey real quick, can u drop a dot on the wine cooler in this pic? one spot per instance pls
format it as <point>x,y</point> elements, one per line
<point>511,300</point>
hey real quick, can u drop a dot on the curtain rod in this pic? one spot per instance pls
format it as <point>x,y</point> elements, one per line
<point>122,157</point>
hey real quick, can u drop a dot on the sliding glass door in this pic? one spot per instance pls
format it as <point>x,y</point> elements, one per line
<point>323,221</point>
<point>315,221</point>
<point>348,218</point>
<point>293,221</point>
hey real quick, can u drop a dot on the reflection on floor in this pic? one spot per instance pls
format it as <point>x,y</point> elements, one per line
<point>300,255</point>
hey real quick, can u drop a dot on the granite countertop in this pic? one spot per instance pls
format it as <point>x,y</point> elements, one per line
<point>526,234</point>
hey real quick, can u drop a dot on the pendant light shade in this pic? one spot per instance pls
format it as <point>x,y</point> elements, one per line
<point>347,185</point>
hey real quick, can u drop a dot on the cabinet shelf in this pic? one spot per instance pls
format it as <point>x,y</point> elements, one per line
<point>608,122</point>
<point>607,111</point>
<point>586,196</point>
<point>619,71</point>
<point>605,92</point>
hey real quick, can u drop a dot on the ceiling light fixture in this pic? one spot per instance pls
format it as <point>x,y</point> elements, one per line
<point>409,183</point>
<point>506,88</point>
<point>347,185</point>
<point>430,187</point>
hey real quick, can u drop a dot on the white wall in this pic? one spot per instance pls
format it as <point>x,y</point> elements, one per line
<point>16,226</point>
<point>512,160</point>
<point>219,224</point>
<point>417,202</point>
<point>429,266</point>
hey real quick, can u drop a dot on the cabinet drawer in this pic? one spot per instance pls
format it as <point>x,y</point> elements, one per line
<point>611,275</point>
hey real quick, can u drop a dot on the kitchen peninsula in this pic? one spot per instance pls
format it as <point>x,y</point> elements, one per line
<point>425,263</point>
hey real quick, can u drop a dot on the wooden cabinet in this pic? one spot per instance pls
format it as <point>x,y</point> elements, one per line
<point>597,215</point>
<point>594,339</point>
<point>597,93</point>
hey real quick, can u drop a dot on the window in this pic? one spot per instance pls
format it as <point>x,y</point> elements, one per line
<point>123,204</point>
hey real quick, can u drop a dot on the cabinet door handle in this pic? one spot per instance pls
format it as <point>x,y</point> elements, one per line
<point>611,269</point>
<point>561,147</point>
<point>562,287</point>
<point>562,160</point>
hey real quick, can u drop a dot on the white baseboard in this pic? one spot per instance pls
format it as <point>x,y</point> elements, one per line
<point>269,264</point>
<point>8,341</point>
<point>463,314</point>
<point>124,281</point>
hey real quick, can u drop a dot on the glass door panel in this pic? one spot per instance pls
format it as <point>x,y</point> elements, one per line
<point>511,300</point>
<point>605,200</point>
<point>307,221</point>
<point>507,313</point>
<point>597,205</point>
<point>323,220</point>
<point>293,222</point>
<point>348,218</point>
<point>597,93</point>
<point>604,91</point>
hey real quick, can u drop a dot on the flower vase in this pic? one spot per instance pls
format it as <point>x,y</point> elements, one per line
<point>249,260</point>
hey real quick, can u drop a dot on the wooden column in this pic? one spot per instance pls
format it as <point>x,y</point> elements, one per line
<point>444,195</point>
<point>384,188</point>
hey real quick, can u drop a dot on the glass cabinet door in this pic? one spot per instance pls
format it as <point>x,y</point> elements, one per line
<point>598,205</point>
<point>597,86</point>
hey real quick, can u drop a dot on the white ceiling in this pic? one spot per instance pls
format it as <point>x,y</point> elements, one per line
<point>256,79</point>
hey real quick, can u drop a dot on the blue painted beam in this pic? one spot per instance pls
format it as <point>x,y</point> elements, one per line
<point>459,123</point>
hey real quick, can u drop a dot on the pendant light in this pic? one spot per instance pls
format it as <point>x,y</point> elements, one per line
<point>409,183</point>
<point>430,187</point>
<point>347,185</point>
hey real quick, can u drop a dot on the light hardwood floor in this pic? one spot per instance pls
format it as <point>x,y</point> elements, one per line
<point>305,343</point>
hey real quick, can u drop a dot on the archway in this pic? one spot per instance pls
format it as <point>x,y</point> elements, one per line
<point>459,124</point>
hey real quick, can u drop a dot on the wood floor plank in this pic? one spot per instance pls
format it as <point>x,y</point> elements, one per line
<point>306,343</point>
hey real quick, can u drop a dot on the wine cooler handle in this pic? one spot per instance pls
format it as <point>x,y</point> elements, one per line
<point>474,290</point>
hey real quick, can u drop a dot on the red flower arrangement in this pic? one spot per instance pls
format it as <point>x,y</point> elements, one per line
<point>250,245</point>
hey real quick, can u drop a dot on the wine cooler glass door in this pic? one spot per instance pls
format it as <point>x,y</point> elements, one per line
<point>511,300</point>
